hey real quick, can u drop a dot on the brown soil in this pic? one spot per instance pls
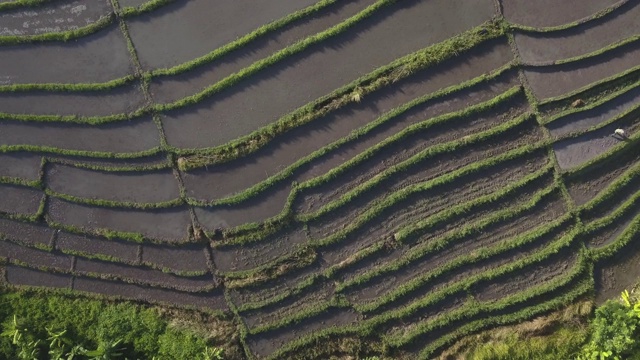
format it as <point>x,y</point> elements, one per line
<point>55,17</point>
<point>314,199</point>
<point>266,343</point>
<point>380,286</point>
<point>580,40</point>
<point>122,137</point>
<point>101,57</point>
<point>301,78</point>
<point>586,119</point>
<point>438,198</point>
<point>545,13</point>
<point>244,257</point>
<point>35,257</point>
<point>19,200</point>
<point>494,234</point>
<point>555,80</point>
<point>91,245</point>
<point>618,273</point>
<point>466,271</point>
<point>297,304</point>
<point>24,166</point>
<point>611,232</point>
<point>163,38</point>
<point>338,253</point>
<point>166,225</point>
<point>620,197</point>
<point>274,287</point>
<point>530,276</point>
<point>96,103</point>
<point>184,258</point>
<point>588,185</point>
<point>31,234</point>
<point>171,88</point>
<point>573,152</point>
<point>18,275</point>
<point>213,300</point>
<point>238,175</point>
<point>137,187</point>
<point>142,275</point>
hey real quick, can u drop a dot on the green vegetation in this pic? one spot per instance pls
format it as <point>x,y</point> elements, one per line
<point>54,326</point>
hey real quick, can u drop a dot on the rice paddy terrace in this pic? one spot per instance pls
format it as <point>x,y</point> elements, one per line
<point>408,171</point>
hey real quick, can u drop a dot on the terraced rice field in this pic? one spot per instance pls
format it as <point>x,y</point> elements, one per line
<point>408,172</point>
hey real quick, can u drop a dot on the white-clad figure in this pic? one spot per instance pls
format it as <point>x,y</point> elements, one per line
<point>620,133</point>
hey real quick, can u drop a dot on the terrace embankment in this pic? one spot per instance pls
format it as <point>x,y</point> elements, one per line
<point>56,62</point>
<point>536,48</point>
<point>163,38</point>
<point>170,88</point>
<point>122,137</point>
<point>555,80</point>
<point>308,75</point>
<point>284,151</point>
<point>547,13</point>
<point>95,103</point>
<point>57,16</point>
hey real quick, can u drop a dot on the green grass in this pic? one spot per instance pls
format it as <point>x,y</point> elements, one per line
<point>146,331</point>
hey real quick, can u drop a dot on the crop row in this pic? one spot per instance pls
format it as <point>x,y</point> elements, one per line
<point>418,252</point>
<point>373,325</point>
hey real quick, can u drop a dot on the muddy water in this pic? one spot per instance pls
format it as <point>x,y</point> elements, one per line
<point>575,151</point>
<point>299,79</point>
<point>580,40</point>
<point>18,275</point>
<point>171,88</point>
<point>185,30</point>
<point>259,208</point>
<point>129,136</point>
<point>238,175</point>
<point>124,251</point>
<point>137,187</point>
<point>586,119</point>
<point>184,258</point>
<point>168,225</point>
<point>550,81</point>
<point>618,274</point>
<point>32,234</point>
<point>542,13</point>
<point>19,199</point>
<point>96,103</point>
<point>56,17</point>
<point>100,57</point>
<point>24,166</point>
<point>213,300</point>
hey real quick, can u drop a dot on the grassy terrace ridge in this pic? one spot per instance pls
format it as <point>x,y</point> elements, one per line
<point>633,111</point>
<point>379,206</point>
<point>608,11</point>
<point>621,79</point>
<point>391,199</point>
<point>16,4</point>
<point>526,238</point>
<point>68,35</point>
<point>616,45</point>
<point>385,75</point>
<point>423,250</point>
<point>597,103</point>
<point>373,325</point>
<point>339,302</point>
<point>629,176</point>
<point>355,134</point>
<point>63,36</point>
